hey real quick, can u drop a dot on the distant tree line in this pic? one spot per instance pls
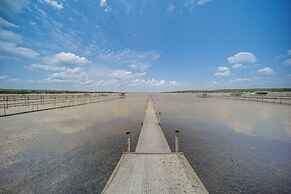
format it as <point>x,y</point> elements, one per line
<point>234,90</point>
<point>28,91</point>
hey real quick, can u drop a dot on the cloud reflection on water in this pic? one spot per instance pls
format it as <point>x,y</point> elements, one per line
<point>249,118</point>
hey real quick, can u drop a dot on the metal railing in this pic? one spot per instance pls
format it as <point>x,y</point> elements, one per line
<point>19,104</point>
<point>268,99</point>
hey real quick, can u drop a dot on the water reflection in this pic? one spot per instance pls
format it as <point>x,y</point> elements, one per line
<point>234,146</point>
<point>70,149</point>
<point>249,118</point>
<point>286,122</point>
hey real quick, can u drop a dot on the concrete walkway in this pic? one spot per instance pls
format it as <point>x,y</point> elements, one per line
<point>151,138</point>
<point>153,168</point>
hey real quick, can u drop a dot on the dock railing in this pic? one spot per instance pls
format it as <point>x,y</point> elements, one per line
<point>14,104</point>
<point>268,99</point>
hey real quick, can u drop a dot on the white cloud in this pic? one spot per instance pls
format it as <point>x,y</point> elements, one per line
<point>203,2</point>
<point>55,68</point>
<point>287,62</point>
<point>10,50</point>
<point>4,78</point>
<point>129,56</point>
<point>223,74</point>
<point>238,66</point>
<point>124,74</point>
<point>170,9</point>
<point>66,75</point>
<point>149,82</point>
<point>279,57</point>
<point>5,23</point>
<point>174,83</point>
<point>266,71</point>
<point>155,83</point>
<point>140,74</point>
<point>212,83</point>
<point>179,8</point>
<point>54,4</point>
<point>103,3</point>
<point>58,81</point>
<point>240,80</point>
<point>98,83</point>
<point>74,82</point>
<point>45,67</point>
<point>142,67</point>
<point>13,7</point>
<point>62,73</point>
<point>63,58</point>
<point>289,52</point>
<point>222,69</point>
<point>9,36</point>
<point>121,74</point>
<point>242,57</point>
<point>134,66</point>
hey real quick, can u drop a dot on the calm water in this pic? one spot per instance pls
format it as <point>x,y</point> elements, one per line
<point>234,146</point>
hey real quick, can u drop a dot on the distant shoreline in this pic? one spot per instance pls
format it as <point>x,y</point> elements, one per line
<point>35,91</point>
<point>43,91</point>
<point>233,90</point>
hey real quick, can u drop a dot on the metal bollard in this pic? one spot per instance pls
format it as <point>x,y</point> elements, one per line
<point>159,116</point>
<point>128,140</point>
<point>177,140</point>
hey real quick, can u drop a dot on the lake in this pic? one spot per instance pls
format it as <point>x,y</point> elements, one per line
<point>234,146</point>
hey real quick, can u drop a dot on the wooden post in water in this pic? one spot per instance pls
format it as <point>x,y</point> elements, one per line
<point>7,102</point>
<point>177,140</point>
<point>128,140</point>
<point>4,106</point>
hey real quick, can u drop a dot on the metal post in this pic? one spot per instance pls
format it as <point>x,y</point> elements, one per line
<point>177,140</point>
<point>7,102</point>
<point>159,116</point>
<point>128,140</point>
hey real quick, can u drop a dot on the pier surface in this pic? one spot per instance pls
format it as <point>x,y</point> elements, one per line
<point>151,139</point>
<point>153,168</point>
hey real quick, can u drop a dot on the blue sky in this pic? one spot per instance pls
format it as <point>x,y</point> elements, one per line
<point>145,45</point>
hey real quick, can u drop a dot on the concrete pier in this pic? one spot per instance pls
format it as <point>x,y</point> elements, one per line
<point>153,168</point>
<point>151,138</point>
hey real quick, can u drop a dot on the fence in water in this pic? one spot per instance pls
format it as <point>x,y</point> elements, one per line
<point>269,99</point>
<point>15,104</point>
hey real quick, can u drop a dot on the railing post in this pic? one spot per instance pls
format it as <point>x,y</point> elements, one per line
<point>128,140</point>
<point>159,116</point>
<point>177,140</point>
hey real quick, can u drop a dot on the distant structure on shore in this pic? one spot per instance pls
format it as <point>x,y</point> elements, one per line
<point>261,93</point>
<point>122,94</point>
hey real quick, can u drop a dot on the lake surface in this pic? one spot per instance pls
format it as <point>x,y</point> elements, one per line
<point>234,146</point>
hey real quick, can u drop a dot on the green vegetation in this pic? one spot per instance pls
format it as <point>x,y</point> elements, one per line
<point>27,91</point>
<point>234,90</point>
